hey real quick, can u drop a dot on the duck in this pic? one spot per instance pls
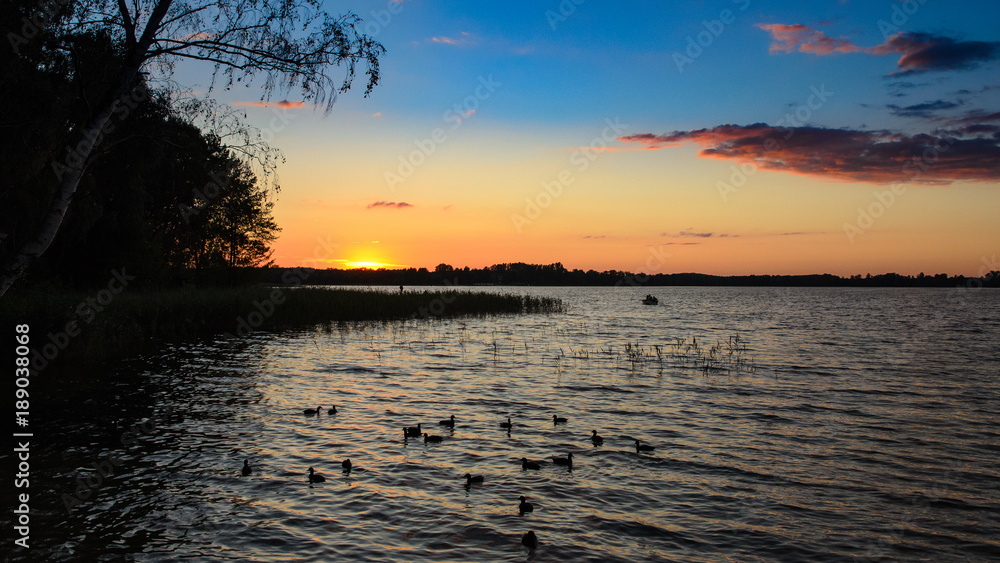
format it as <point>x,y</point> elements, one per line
<point>529,540</point>
<point>333,410</point>
<point>429,438</point>
<point>470,479</point>
<point>557,419</point>
<point>525,464</point>
<point>315,477</point>
<point>412,431</point>
<point>449,422</point>
<point>312,412</point>
<point>567,461</point>
<point>524,506</point>
<point>346,464</point>
<point>639,448</point>
<point>507,424</point>
<point>247,470</point>
<point>597,440</point>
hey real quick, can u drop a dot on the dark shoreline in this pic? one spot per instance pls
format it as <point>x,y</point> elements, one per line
<point>519,274</point>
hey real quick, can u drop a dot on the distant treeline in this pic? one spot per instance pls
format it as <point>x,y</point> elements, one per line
<point>557,275</point>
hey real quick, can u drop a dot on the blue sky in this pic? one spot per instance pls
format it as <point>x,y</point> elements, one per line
<point>860,81</point>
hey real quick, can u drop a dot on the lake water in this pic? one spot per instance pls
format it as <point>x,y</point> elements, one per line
<point>842,424</point>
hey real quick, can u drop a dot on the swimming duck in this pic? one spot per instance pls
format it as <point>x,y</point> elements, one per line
<point>315,477</point>
<point>557,419</point>
<point>312,412</point>
<point>412,431</point>
<point>525,464</point>
<point>333,410</point>
<point>428,438</point>
<point>346,464</point>
<point>450,422</point>
<point>507,424</point>
<point>247,470</point>
<point>529,540</point>
<point>525,506</point>
<point>639,448</point>
<point>567,461</point>
<point>470,479</point>
<point>597,440</point>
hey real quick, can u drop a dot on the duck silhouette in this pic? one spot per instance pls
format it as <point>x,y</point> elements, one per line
<point>449,422</point>
<point>524,506</point>
<point>432,439</point>
<point>597,440</point>
<point>639,448</point>
<point>525,464</point>
<point>558,419</point>
<point>412,431</point>
<point>312,412</point>
<point>529,540</point>
<point>333,410</point>
<point>315,477</point>
<point>567,461</point>
<point>470,479</point>
<point>247,470</point>
<point>346,464</point>
<point>507,424</point>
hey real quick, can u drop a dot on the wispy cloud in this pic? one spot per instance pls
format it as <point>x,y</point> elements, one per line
<point>687,233</point>
<point>924,110</point>
<point>798,37</point>
<point>465,39</point>
<point>393,204</point>
<point>285,104</point>
<point>844,154</point>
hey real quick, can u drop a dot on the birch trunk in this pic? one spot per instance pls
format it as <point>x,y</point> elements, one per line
<point>86,141</point>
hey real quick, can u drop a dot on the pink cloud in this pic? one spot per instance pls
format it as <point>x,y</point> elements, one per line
<point>789,38</point>
<point>464,40</point>
<point>394,204</point>
<point>846,155</point>
<point>920,52</point>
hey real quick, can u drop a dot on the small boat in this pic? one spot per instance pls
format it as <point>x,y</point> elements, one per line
<point>650,300</point>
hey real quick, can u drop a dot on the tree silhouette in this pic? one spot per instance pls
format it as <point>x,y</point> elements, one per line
<point>291,44</point>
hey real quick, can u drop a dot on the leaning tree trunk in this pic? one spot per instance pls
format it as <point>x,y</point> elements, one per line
<point>88,136</point>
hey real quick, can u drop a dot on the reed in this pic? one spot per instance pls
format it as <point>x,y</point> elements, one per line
<point>730,357</point>
<point>130,321</point>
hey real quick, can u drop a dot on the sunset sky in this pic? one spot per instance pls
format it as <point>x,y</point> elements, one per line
<point>722,137</point>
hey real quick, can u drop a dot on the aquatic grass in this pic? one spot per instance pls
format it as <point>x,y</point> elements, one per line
<point>730,357</point>
<point>83,329</point>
